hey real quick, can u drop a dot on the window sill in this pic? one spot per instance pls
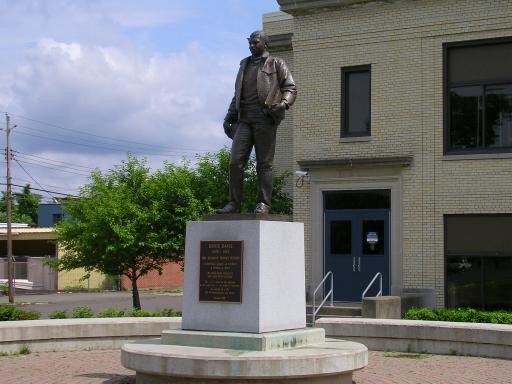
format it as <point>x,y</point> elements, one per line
<point>355,139</point>
<point>478,156</point>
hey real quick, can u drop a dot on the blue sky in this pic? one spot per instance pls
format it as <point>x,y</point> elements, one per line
<point>85,81</point>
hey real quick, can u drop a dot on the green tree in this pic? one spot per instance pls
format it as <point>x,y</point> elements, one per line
<point>128,221</point>
<point>212,183</point>
<point>27,203</point>
<point>24,208</point>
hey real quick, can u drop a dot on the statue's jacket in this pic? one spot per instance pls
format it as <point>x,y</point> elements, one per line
<point>274,84</point>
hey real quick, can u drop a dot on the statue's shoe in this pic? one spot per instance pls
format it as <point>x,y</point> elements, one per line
<point>229,208</point>
<point>262,208</point>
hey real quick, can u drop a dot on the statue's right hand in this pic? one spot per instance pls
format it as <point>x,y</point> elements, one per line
<point>227,129</point>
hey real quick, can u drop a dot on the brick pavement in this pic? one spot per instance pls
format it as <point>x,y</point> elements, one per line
<point>103,367</point>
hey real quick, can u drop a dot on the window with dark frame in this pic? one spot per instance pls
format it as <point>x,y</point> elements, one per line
<point>478,96</point>
<point>478,255</point>
<point>356,95</point>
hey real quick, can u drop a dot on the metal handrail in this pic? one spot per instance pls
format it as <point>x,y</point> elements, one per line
<point>378,274</point>
<point>330,293</point>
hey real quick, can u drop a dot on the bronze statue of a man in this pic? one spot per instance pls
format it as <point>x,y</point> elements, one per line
<point>264,89</point>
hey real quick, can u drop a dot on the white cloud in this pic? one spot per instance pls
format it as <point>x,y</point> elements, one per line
<point>106,84</point>
<point>76,64</point>
<point>73,51</point>
<point>175,101</point>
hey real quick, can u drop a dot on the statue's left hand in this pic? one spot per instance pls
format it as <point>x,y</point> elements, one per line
<point>227,129</point>
<point>279,106</point>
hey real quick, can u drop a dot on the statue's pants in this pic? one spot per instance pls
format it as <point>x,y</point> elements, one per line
<point>258,130</point>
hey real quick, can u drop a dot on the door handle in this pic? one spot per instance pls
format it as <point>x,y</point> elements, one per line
<point>359,264</point>
<point>353,264</point>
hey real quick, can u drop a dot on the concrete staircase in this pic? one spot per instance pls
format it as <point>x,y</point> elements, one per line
<point>338,310</point>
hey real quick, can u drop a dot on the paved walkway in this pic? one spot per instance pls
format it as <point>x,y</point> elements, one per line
<point>95,367</point>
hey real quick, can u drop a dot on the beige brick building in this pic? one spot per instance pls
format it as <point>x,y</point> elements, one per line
<point>404,124</point>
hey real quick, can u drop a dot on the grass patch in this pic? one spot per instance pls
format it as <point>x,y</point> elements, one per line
<point>407,355</point>
<point>80,288</point>
<point>24,350</point>
<point>166,291</point>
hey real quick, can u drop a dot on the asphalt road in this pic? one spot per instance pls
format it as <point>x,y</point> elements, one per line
<point>98,301</point>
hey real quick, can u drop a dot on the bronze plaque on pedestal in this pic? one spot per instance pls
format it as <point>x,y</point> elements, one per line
<point>221,271</point>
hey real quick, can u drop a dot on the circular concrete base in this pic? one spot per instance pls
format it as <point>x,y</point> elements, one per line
<point>325,363</point>
<point>153,379</point>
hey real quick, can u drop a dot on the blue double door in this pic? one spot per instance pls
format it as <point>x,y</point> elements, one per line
<point>356,248</point>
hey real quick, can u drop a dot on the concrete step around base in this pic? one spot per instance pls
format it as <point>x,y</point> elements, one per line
<point>334,358</point>
<point>340,311</point>
<point>269,341</point>
<point>309,316</point>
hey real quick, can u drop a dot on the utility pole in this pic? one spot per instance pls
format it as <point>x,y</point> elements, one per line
<point>8,155</point>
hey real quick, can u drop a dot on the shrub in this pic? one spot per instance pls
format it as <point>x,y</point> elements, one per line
<point>9,312</point>
<point>22,314</point>
<point>6,311</point>
<point>162,313</point>
<point>140,313</point>
<point>169,313</point>
<point>111,312</point>
<point>468,315</point>
<point>82,312</point>
<point>62,314</point>
<point>4,289</point>
<point>420,314</point>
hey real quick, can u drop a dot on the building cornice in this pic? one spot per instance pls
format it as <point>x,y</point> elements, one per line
<point>402,161</point>
<point>299,7</point>
<point>282,42</point>
<point>271,17</point>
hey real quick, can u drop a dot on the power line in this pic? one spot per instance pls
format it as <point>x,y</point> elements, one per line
<point>95,142</point>
<point>46,185</point>
<point>57,169</point>
<point>35,181</point>
<point>44,190</point>
<point>107,137</point>
<point>95,146</point>
<point>23,157</point>
<point>52,160</point>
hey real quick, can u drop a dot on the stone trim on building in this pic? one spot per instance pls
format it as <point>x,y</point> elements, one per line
<point>403,161</point>
<point>298,7</point>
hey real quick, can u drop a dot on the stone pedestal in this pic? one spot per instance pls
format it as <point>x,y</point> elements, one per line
<point>273,289</point>
<point>261,336</point>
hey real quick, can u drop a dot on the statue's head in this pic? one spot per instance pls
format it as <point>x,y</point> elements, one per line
<point>258,43</point>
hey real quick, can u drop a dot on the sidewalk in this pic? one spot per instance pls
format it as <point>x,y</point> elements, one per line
<point>104,367</point>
